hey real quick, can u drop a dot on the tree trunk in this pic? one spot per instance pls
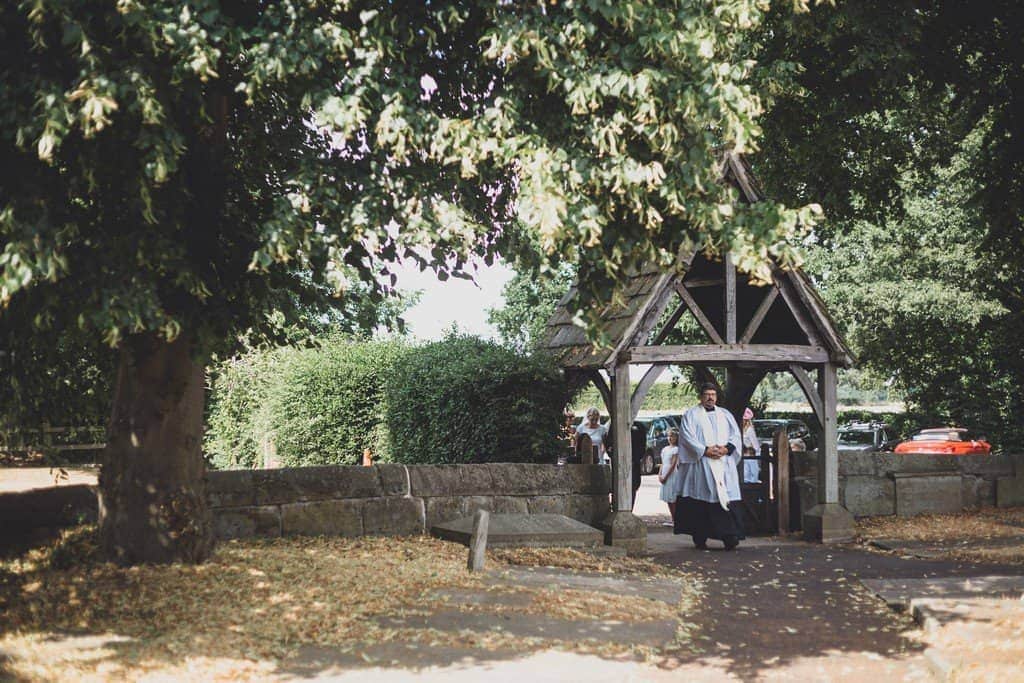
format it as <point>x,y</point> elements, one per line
<point>153,505</point>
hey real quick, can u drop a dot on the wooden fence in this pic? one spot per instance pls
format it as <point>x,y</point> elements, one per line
<point>47,438</point>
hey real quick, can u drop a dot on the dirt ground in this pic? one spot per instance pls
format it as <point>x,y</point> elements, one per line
<point>24,478</point>
<point>406,609</point>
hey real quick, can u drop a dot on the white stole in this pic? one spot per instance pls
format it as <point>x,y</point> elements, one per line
<point>717,465</point>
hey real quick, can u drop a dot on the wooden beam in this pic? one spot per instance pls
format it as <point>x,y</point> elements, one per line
<point>622,462</point>
<point>810,391</point>
<point>703,282</point>
<point>640,393</point>
<point>828,449</point>
<point>691,303</point>
<point>602,388</point>
<point>759,314</point>
<point>671,323</point>
<point>730,300</point>
<point>740,173</point>
<point>796,308</point>
<point>779,354</point>
<point>657,298</point>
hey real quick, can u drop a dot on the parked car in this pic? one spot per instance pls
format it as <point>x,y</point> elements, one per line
<point>946,440</point>
<point>801,438</point>
<point>866,437</point>
<point>657,438</point>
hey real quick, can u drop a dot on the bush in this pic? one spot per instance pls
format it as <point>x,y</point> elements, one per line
<point>327,405</point>
<point>236,416</point>
<point>464,399</point>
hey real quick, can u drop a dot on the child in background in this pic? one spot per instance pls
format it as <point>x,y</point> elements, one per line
<point>671,476</point>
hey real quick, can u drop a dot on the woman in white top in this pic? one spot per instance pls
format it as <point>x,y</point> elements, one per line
<point>671,475</point>
<point>597,432</point>
<point>751,448</point>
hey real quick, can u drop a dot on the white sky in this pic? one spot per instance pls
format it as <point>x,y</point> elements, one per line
<point>461,302</point>
<point>465,304</point>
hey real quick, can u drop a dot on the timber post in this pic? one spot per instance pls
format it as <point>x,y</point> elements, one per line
<point>622,528</point>
<point>828,521</point>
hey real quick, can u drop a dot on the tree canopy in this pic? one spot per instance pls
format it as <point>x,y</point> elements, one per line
<point>903,120</point>
<point>200,164</point>
<point>178,175</point>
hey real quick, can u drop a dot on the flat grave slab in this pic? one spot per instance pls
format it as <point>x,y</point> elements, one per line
<point>900,592</point>
<point>507,530</point>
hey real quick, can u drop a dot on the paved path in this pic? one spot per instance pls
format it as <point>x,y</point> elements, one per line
<point>779,608</point>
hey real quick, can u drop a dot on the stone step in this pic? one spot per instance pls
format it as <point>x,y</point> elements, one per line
<point>506,530</point>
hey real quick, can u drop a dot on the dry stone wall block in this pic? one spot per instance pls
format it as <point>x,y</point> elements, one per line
<point>324,517</point>
<point>928,493</point>
<point>300,484</point>
<point>592,510</point>
<point>394,516</point>
<point>526,479</point>
<point>921,463</point>
<point>230,488</point>
<point>1010,491</point>
<point>542,505</point>
<point>866,496</point>
<point>246,522</point>
<point>394,480</point>
<point>976,492</point>
<point>427,481</point>
<point>442,509</point>
<point>859,464</point>
<point>510,505</point>
<point>592,479</point>
<point>991,466</point>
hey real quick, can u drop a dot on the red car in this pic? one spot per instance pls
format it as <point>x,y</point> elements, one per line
<point>946,441</point>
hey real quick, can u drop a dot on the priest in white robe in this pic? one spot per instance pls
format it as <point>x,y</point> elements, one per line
<point>710,449</point>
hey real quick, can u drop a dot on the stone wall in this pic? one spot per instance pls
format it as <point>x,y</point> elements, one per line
<point>397,499</point>
<point>890,484</point>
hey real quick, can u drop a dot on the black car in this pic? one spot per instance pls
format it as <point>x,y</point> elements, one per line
<point>801,438</point>
<point>657,438</point>
<point>866,437</point>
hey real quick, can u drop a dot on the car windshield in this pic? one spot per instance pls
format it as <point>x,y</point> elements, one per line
<point>765,430</point>
<point>936,436</point>
<point>857,438</point>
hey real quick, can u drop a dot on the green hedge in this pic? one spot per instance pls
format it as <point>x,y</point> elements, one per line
<point>236,415</point>
<point>327,404</point>
<point>458,400</point>
<point>464,399</point>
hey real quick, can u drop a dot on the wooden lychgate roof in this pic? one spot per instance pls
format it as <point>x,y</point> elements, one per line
<point>783,323</point>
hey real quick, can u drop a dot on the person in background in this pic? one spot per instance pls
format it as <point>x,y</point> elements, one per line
<point>597,432</point>
<point>569,434</point>
<point>751,448</point>
<point>638,446</point>
<point>671,475</point>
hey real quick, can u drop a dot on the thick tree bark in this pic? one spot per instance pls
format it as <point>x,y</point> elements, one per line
<point>153,505</point>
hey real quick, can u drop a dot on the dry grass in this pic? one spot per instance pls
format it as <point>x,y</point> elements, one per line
<point>978,535</point>
<point>256,602</point>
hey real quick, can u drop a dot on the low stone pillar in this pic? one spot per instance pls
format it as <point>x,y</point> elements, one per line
<point>623,529</point>
<point>828,523</point>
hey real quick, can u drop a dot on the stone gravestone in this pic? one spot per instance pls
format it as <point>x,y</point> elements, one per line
<point>584,449</point>
<point>478,541</point>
